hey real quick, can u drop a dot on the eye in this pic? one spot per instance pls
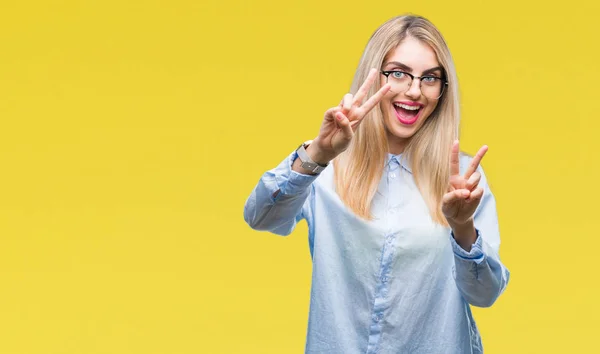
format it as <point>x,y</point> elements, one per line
<point>429,79</point>
<point>398,74</point>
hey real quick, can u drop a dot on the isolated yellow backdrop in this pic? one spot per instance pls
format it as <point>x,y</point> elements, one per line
<point>132,132</point>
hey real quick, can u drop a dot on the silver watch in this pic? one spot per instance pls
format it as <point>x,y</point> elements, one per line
<point>307,162</point>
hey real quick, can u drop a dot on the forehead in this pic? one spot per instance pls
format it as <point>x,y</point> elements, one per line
<point>413,53</point>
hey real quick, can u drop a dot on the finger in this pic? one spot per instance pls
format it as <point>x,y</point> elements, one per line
<point>347,102</point>
<point>371,102</point>
<point>475,195</point>
<point>473,181</point>
<point>344,124</point>
<point>455,195</point>
<point>356,123</point>
<point>475,161</point>
<point>454,162</point>
<point>364,88</point>
<point>330,113</point>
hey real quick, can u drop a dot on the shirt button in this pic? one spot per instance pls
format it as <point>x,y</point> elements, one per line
<point>377,318</point>
<point>384,279</point>
<point>392,175</point>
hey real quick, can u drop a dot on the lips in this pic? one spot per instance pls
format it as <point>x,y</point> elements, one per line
<point>407,112</point>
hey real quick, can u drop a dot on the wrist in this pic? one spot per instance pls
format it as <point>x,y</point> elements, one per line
<point>310,159</point>
<point>318,155</point>
<point>464,233</point>
<point>459,226</point>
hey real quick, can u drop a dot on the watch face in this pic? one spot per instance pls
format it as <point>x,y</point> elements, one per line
<point>311,167</point>
<point>307,165</point>
<point>306,162</point>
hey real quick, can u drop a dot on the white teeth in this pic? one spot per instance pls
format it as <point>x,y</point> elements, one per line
<point>407,107</point>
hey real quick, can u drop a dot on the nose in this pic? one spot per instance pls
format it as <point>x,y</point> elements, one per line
<point>414,90</point>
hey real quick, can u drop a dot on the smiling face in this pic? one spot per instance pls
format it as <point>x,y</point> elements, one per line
<point>407,107</point>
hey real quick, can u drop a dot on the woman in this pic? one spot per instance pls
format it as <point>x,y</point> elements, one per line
<point>403,229</point>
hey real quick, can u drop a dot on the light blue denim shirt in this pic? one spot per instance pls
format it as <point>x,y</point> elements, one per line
<point>396,284</point>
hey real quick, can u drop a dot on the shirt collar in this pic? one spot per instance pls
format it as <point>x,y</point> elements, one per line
<point>393,161</point>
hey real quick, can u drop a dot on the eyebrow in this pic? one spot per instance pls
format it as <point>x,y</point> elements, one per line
<point>408,68</point>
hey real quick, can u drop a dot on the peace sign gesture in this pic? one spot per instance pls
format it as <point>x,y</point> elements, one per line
<point>464,194</point>
<point>340,122</point>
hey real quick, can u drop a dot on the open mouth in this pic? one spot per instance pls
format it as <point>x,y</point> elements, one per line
<point>407,114</point>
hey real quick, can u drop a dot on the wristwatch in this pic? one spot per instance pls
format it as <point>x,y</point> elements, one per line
<point>307,162</point>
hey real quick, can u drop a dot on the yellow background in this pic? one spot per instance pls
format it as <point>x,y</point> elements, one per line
<point>132,133</point>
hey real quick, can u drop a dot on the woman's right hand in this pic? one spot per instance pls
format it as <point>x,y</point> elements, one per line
<point>340,123</point>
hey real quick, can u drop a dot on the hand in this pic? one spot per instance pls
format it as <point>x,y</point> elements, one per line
<point>464,194</point>
<point>340,123</point>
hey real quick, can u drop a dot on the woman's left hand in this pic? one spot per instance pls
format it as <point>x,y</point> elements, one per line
<point>464,194</point>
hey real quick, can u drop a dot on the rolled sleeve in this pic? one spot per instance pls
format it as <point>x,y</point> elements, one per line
<point>291,182</point>
<point>276,202</point>
<point>475,255</point>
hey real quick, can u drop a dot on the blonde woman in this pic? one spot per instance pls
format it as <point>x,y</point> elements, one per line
<point>403,230</point>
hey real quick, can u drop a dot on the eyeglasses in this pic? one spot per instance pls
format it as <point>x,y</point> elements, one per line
<point>431,86</point>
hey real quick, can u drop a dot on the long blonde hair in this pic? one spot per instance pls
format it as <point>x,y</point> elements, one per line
<point>359,169</point>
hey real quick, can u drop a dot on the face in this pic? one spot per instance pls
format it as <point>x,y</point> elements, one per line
<point>407,108</point>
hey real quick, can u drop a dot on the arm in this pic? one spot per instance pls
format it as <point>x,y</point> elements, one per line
<point>276,203</point>
<point>480,275</point>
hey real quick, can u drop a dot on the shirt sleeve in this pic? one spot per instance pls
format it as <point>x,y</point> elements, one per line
<point>480,275</point>
<point>276,203</point>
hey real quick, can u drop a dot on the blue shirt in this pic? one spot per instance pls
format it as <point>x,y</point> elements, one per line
<point>396,284</point>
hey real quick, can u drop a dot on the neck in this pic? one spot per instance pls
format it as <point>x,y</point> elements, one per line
<point>396,145</point>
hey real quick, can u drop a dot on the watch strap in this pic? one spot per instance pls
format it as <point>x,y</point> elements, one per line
<point>307,162</point>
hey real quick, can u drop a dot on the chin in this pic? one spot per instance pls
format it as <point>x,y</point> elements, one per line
<point>402,133</point>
